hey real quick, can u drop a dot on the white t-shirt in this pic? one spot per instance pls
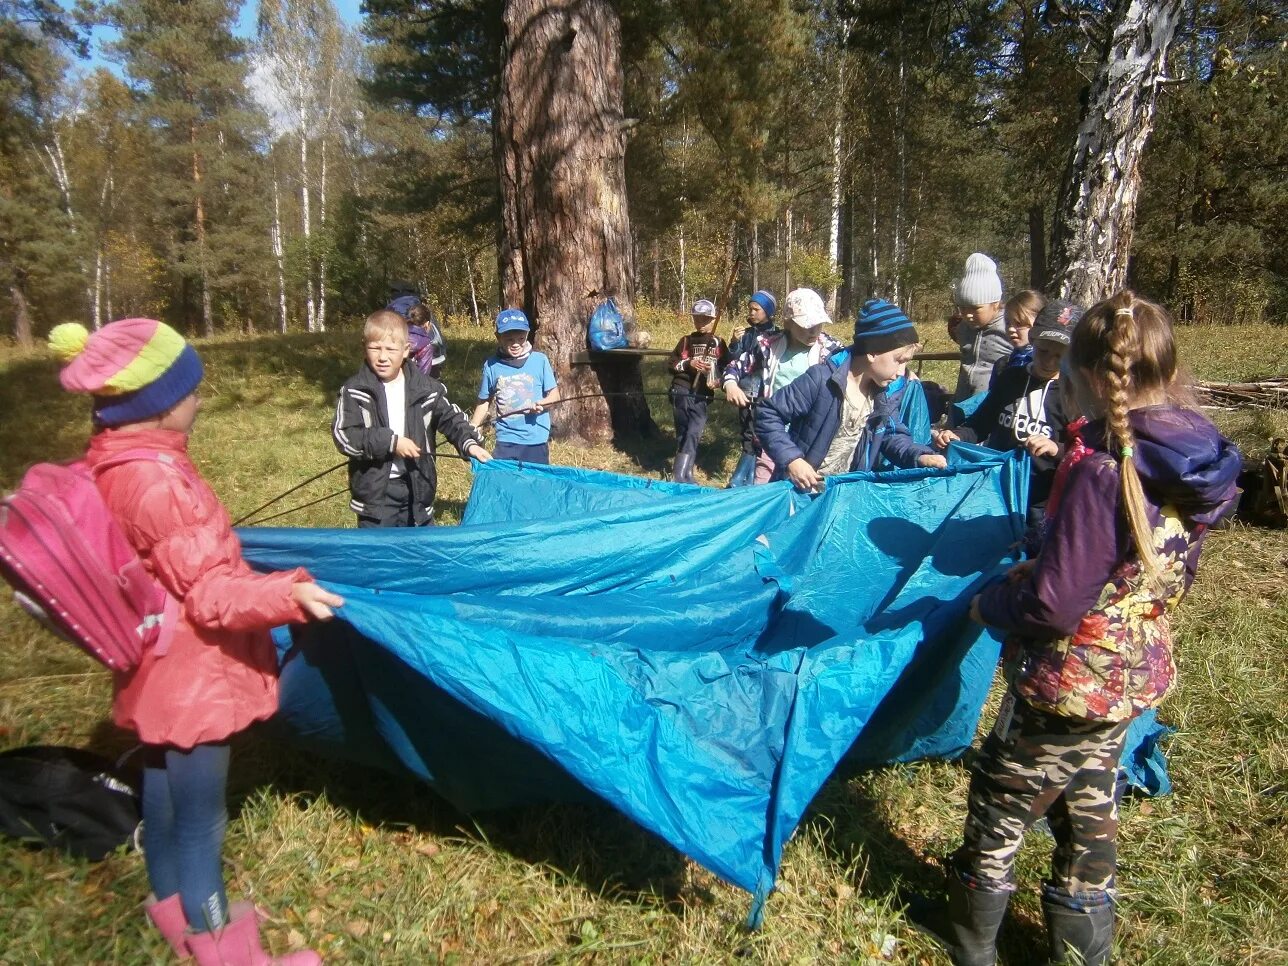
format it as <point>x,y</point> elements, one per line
<point>396,404</point>
<point>854,421</point>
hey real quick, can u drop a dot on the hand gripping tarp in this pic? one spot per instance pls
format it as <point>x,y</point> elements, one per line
<point>701,659</point>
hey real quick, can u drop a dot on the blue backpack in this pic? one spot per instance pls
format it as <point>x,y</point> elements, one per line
<point>607,327</point>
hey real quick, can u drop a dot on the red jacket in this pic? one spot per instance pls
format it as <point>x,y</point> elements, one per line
<point>219,674</point>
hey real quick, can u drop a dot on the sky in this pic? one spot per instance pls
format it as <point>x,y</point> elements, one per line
<point>348,10</point>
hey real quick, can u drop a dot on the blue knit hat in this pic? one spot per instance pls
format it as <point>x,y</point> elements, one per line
<point>766,301</point>
<point>882,327</point>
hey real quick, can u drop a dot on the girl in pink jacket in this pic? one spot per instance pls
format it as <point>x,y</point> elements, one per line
<point>219,672</point>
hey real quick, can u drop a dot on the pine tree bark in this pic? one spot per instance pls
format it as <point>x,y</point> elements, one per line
<point>1092,235</point>
<point>21,314</point>
<point>566,240</point>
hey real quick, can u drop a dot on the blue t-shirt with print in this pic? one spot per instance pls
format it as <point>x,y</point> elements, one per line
<point>515,387</point>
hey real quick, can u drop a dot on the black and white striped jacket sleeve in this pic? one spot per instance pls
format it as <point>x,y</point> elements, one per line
<point>357,431</point>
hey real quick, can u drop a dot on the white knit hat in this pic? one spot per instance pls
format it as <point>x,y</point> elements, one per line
<point>981,285</point>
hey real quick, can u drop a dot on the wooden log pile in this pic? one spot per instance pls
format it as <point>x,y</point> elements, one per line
<point>1269,393</point>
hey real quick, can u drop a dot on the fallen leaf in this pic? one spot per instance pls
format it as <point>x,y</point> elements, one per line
<point>357,928</point>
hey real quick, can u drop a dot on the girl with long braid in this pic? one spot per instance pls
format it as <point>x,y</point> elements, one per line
<point>1088,640</point>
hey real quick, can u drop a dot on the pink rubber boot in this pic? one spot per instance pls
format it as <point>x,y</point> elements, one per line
<point>238,944</point>
<point>167,915</point>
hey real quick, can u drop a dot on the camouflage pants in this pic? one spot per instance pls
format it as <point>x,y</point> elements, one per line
<point>1036,764</point>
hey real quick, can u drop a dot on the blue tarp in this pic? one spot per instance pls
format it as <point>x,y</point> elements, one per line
<point>701,659</point>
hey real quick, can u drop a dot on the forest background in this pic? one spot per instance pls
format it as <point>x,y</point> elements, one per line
<point>282,181</point>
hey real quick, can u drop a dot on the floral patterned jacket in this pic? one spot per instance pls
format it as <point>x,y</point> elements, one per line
<point>1088,634</point>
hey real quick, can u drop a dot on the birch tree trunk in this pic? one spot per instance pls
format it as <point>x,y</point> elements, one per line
<point>306,225</point>
<point>561,149</point>
<point>58,170</point>
<point>322,261</point>
<point>474,295</point>
<point>1092,234</point>
<point>279,253</point>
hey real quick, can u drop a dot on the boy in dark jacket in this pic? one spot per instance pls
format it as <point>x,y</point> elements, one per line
<point>841,419</point>
<point>386,419</point>
<point>696,363</point>
<point>1025,408</point>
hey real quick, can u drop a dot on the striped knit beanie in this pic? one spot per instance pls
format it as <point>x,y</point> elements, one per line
<point>135,369</point>
<point>765,299</point>
<point>882,327</point>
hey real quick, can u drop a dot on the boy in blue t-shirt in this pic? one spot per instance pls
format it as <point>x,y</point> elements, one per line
<point>523,384</point>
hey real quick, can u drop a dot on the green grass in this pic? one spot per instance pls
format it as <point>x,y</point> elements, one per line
<point>368,867</point>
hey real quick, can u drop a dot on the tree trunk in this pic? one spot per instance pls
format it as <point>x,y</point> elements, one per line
<point>755,256</point>
<point>787,255</point>
<point>561,150</point>
<point>845,302</point>
<point>199,227</point>
<point>474,295</point>
<point>1092,235</point>
<point>657,273</point>
<point>306,224</point>
<point>279,254</point>
<point>322,261</point>
<point>21,314</point>
<point>1037,248</point>
<point>684,273</point>
<point>834,234</point>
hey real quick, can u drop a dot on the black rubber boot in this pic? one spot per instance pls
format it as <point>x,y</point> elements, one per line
<point>967,926</point>
<point>683,472</point>
<point>1083,935</point>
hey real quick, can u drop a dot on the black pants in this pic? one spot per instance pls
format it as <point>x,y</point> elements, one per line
<point>690,418</point>
<point>395,509</point>
<point>747,429</point>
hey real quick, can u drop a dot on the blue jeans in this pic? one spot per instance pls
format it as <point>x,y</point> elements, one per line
<point>184,818</point>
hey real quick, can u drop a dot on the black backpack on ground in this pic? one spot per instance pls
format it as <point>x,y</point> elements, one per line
<point>69,799</point>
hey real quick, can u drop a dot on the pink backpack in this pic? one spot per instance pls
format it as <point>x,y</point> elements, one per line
<point>72,568</point>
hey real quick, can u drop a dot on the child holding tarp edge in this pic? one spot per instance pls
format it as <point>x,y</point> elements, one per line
<point>217,673</point>
<point>1088,643</point>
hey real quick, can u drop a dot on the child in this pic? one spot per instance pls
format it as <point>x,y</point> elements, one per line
<point>696,361</point>
<point>522,382</point>
<point>428,350</point>
<point>1088,644</point>
<point>1025,408</point>
<point>386,419</point>
<point>839,419</point>
<point>743,383</point>
<point>219,673</point>
<point>774,360</point>
<point>1021,312</point>
<point>981,333</point>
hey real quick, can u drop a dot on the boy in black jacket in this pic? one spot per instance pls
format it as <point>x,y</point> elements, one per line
<point>696,363</point>
<point>1024,407</point>
<point>386,419</point>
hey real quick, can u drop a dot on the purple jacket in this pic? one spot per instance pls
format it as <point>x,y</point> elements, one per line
<point>1088,634</point>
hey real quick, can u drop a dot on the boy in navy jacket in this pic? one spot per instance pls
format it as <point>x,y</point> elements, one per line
<point>841,419</point>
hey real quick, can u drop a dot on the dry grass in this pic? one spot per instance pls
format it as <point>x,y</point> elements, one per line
<point>370,867</point>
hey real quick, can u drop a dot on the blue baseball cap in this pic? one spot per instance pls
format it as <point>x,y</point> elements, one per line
<point>512,320</point>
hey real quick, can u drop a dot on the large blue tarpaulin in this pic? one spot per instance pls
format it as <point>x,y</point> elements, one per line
<point>701,659</point>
